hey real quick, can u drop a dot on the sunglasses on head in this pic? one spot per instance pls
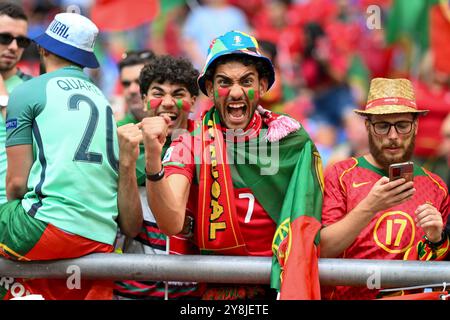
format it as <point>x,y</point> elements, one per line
<point>7,38</point>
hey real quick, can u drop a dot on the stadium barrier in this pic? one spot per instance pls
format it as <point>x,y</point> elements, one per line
<point>229,269</point>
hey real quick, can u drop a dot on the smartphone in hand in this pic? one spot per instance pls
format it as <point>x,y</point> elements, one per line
<point>401,170</point>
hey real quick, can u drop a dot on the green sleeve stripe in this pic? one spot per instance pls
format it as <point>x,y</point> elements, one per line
<point>175,164</point>
<point>18,141</point>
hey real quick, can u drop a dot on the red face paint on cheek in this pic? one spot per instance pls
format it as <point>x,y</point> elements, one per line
<point>223,92</point>
<point>154,103</point>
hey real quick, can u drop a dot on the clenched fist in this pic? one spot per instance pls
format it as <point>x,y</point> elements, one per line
<point>129,136</point>
<point>154,132</point>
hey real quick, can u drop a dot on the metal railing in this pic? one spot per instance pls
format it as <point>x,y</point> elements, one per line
<point>228,269</point>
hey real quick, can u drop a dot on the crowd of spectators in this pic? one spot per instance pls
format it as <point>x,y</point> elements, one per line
<point>325,53</point>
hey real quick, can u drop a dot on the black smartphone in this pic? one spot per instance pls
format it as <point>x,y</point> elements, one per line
<point>401,170</point>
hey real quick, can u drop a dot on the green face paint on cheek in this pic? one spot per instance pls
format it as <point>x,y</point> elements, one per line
<point>179,104</point>
<point>252,94</point>
<point>183,105</point>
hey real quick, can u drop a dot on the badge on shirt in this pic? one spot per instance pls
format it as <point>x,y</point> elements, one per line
<point>11,124</point>
<point>167,155</point>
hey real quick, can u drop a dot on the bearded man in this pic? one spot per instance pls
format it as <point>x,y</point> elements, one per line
<point>367,216</point>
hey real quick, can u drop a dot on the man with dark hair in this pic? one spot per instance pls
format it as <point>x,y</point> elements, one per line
<point>13,41</point>
<point>248,178</point>
<point>129,69</point>
<point>176,71</point>
<point>168,88</point>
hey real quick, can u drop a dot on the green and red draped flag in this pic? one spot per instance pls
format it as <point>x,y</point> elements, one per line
<point>295,271</point>
<point>295,204</point>
<point>121,15</point>
<point>291,173</point>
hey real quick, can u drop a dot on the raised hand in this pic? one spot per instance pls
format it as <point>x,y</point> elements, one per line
<point>385,194</point>
<point>430,220</point>
<point>154,132</point>
<point>129,137</point>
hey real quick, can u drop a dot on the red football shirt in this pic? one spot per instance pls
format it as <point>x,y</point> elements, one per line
<point>391,232</point>
<point>257,228</point>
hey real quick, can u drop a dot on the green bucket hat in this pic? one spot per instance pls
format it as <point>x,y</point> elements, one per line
<point>234,42</point>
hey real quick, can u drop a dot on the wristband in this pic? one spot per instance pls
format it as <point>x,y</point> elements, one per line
<point>155,177</point>
<point>435,245</point>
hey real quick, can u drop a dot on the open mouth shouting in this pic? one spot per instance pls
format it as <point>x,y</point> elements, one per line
<point>237,114</point>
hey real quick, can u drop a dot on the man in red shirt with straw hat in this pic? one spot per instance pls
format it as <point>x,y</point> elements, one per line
<point>367,216</point>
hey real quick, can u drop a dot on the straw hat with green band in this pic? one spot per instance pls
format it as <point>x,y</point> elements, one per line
<point>388,96</point>
<point>234,42</point>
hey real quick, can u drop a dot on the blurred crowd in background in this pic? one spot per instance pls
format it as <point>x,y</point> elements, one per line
<point>325,53</point>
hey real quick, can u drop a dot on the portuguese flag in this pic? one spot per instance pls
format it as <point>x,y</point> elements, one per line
<point>291,173</point>
<point>295,270</point>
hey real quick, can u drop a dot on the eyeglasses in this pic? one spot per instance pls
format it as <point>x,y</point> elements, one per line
<point>132,58</point>
<point>127,83</point>
<point>143,54</point>
<point>7,38</point>
<point>402,127</point>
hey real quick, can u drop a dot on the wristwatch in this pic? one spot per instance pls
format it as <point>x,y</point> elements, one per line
<point>4,101</point>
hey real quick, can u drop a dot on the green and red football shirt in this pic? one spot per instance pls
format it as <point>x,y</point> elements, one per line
<point>391,232</point>
<point>153,241</point>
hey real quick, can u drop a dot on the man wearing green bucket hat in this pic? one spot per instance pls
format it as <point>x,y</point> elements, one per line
<point>248,181</point>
